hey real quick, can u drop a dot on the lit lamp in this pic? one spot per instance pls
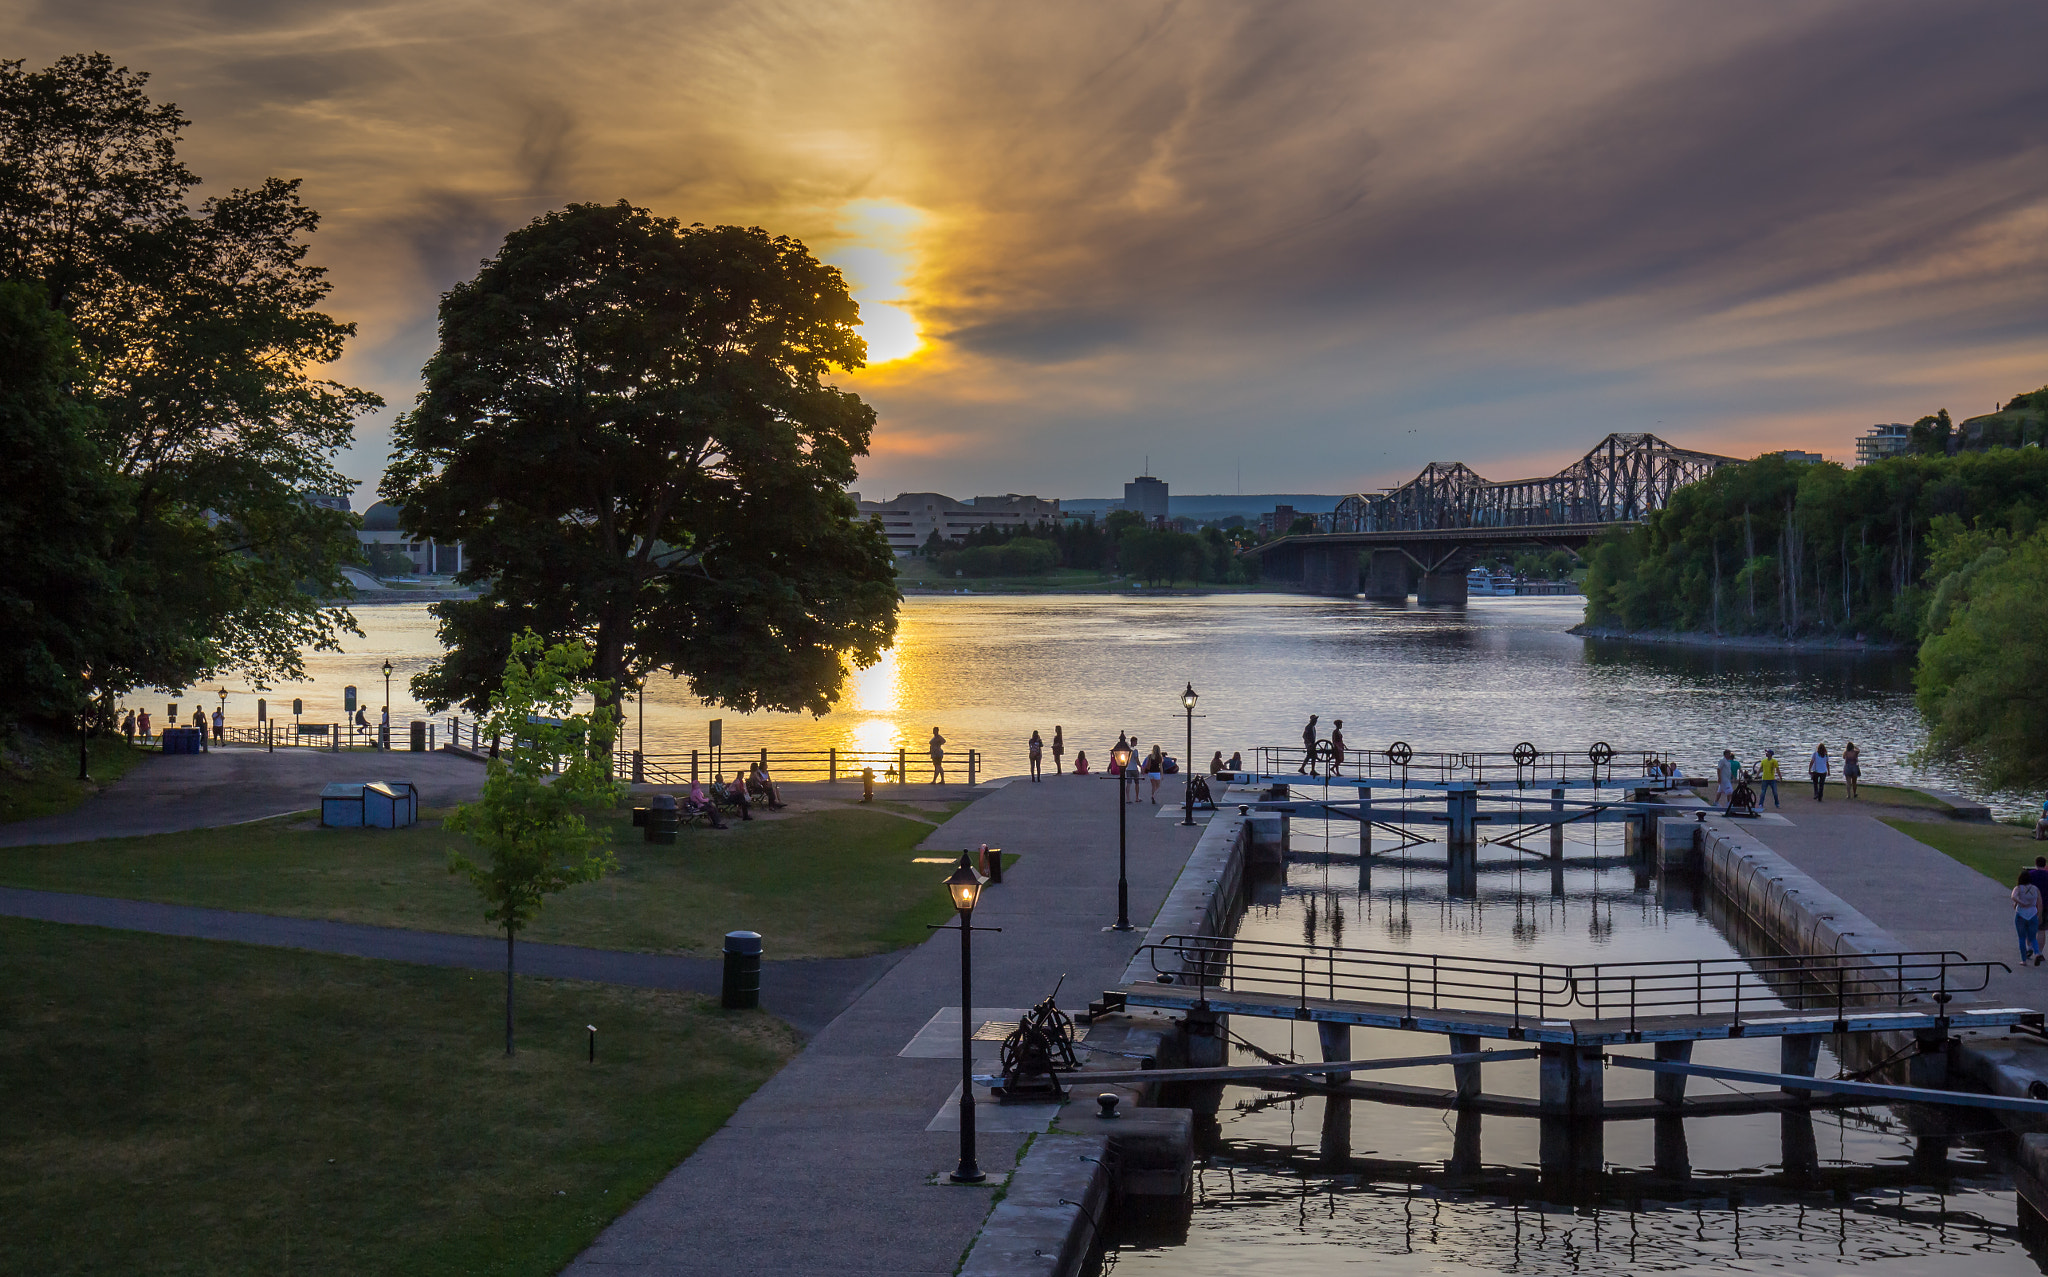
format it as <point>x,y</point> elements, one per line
<point>964,885</point>
<point>1187,767</point>
<point>384,727</point>
<point>1122,755</point>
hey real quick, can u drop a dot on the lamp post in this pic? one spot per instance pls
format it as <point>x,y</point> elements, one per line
<point>964,885</point>
<point>384,727</point>
<point>1187,771</point>
<point>1123,881</point>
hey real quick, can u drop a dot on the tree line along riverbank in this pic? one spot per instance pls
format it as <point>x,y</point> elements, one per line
<point>1946,556</point>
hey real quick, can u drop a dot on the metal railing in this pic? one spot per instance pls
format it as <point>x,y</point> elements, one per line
<point>1708,987</point>
<point>1524,765</point>
<point>892,767</point>
<point>1427,982</point>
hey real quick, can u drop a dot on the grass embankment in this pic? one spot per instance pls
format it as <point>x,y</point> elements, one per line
<point>185,1106</point>
<point>39,773</point>
<point>1992,848</point>
<point>831,883</point>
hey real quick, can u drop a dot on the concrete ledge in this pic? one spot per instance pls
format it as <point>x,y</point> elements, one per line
<point>1047,1219</point>
<point>1205,896</point>
<point>1955,805</point>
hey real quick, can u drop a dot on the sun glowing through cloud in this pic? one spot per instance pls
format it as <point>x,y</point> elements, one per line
<point>878,256</point>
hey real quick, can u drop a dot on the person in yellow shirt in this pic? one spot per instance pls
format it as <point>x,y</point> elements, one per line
<point>1767,774</point>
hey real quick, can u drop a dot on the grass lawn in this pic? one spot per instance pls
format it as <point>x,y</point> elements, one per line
<point>183,1106</point>
<point>1993,848</point>
<point>39,774</point>
<point>832,883</point>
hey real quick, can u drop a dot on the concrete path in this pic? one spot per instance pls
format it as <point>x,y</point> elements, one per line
<point>169,793</point>
<point>1922,896</point>
<point>829,1168</point>
<point>808,993</point>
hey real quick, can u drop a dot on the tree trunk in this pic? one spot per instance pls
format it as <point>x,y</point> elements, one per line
<point>1749,556</point>
<point>508,993</point>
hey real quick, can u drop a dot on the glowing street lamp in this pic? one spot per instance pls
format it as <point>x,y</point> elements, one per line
<point>1187,767</point>
<point>964,886</point>
<point>384,728</point>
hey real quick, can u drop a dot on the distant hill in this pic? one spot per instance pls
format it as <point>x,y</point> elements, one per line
<point>1215,506</point>
<point>2021,422</point>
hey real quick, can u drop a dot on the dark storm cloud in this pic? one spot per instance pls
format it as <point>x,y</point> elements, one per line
<point>1371,233</point>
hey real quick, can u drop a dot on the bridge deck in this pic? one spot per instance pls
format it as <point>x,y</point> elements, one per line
<point>1551,1028</point>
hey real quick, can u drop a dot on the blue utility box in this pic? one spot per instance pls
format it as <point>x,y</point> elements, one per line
<point>370,804</point>
<point>181,740</point>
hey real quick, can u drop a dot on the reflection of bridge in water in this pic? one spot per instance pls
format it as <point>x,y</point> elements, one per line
<point>1421,537</point>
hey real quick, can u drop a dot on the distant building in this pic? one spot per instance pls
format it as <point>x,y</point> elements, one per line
<point>1883,441</point>
<point>328,501</point>
<point>1794,454</point>
<point>1146,496</point>
<point>429,557</point>
<point>912,517</point>
<point>1277,523</point>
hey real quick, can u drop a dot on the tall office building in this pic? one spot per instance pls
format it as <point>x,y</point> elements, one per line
<point>1147,496</point>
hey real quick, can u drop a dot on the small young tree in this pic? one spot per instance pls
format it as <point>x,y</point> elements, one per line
<point>534,827</point>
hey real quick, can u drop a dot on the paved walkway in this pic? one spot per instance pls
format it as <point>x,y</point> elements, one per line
<point>807,993</point>
<point>1923,897</point>
<point>829,1168</point>
<point>170,793</point>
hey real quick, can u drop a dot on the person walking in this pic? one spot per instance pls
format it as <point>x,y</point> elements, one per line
<point>1724,777</point>
<point>1767,778</point>
<point>938,752</point>
<point>1852,767</point>
<point>1817,769</point>
<point>384,729</point>
<point>1036,749</point>
<point>1134,772</point>
<point>1308,747</point>
<point>2026,919</point>
<point>1155,766</point>
<point>199,725</point>
<point>1059,749</point>
<point>142,725</point>
<point>128,728</point>
<point>1337,747</point>
<point>220,722</point>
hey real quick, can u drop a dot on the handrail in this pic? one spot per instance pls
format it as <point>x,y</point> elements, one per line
<point>1525,765</point>
<point>1706,987</point>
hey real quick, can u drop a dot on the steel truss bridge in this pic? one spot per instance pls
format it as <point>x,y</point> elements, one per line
<point>1432,526</point>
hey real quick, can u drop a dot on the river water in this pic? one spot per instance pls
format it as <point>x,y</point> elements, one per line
<point>988,670</point>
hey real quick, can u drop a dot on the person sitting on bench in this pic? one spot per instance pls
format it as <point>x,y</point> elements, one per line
<point>762,785</point>
<point>733,796</point>
<point>697,803</point>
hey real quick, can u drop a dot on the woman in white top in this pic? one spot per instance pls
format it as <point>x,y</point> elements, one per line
<point>1817,771</point>
<point>2026,919</point>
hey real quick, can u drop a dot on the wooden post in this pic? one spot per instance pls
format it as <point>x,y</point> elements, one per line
<point>693,767</point>
<point>972,758</point>
<point>902,766</point>
<point>1669,1088</point>
<point>1466,1075</point>
<point>832,766</point>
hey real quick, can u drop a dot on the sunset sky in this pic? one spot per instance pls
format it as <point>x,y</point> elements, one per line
<point>1323,242</point>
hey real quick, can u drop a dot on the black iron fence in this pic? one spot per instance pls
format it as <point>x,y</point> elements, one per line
<point>1523,765</point>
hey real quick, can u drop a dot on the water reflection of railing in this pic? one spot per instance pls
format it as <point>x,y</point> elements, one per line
<point>1705,987</point>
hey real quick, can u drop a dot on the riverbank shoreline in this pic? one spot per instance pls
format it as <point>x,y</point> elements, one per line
<point>1736,642</point>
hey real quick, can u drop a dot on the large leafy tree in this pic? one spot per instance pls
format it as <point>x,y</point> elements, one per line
<point>198,334</point>
<point>59,503</point>
<point>1983,675</point>
<point>628,428</point>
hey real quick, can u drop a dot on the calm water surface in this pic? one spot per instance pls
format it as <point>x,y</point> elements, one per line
<point>988,670</point>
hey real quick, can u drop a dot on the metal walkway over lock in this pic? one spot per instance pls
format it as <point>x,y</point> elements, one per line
<point>1572,1015</point>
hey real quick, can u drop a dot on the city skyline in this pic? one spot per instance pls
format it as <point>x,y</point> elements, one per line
<point>1325,244</point>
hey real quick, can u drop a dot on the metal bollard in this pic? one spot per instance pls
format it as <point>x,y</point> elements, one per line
<point>867,784</point>
<point>742,989</point>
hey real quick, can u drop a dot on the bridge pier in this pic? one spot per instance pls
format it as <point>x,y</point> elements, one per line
<point>1570,1080</point>
<point>1799,1154</point>
<point>1465,1144</point>
<point>1669,1088</point>
<point>1798,1053</point>
<point>1441,587</point>
<point>1557,824</point>
<point>1465,1075</point>
<point>1330,570</point>
<point>1673,1159</point>
<point>1388,576</point>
